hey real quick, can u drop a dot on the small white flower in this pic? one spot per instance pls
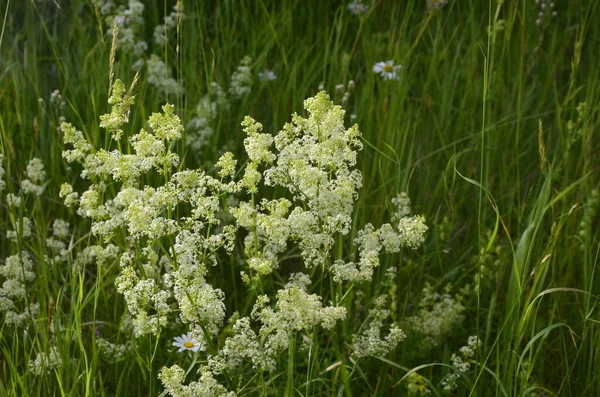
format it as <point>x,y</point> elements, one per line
<point>387,70</point>
<point>267,75</point>
<point>160,76</point>
<point>241,79</point>
<point>357,7</point>
<point>121,20</point>
<point>186,342</point>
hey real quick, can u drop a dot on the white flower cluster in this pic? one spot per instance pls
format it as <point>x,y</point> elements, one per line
<point>241,79</point>
<point>112,352</point>
<point>160,76</point>
<point>57,100</point>
<point>120,104</point>
<point>161,32</point>
<point>468,351</point>
<point>60,229</point>
<point>402,206</point>
<point>545,11</point>
<point>151,151</point>
<point>35,178</point>
<point>17,271</point>
<point>173,377</point>
<point>295,310</point>
<point>369,246</point>
<point>313,161</point>
<point>242,346</point>
<point>409,233</point>
<point>216,101</point>
<point>13,201</point>
<point>44,363</point>
<point>154,289</point>
<point>461,364</point>
<point>130,22</point>
<point>96,255</point>
<point>438,315</point>
<point>200,126</point>
<point>313,158</point>
<point>141,294</point>
<point>267,75</point>
<point>347,91</point>
<point>22,228</point>
<point>357,7</point>
<point>411,230</point>
<point>35,170</point>
<point>369,342</point>
<point>56,243</point>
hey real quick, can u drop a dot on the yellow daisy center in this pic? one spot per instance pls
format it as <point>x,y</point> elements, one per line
<point>387,68</point>
<point>188,344</point>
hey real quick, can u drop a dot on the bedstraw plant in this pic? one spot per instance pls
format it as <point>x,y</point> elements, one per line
<point>168,229</point>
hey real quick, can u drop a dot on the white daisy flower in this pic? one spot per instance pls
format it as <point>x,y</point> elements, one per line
<point>186,342</point>
<point>267,75</point>
<point>387,70</point>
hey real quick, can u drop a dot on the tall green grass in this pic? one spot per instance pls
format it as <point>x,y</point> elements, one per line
<point>482,92</point>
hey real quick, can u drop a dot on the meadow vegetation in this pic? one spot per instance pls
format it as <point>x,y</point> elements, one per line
<point>291,198</point>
